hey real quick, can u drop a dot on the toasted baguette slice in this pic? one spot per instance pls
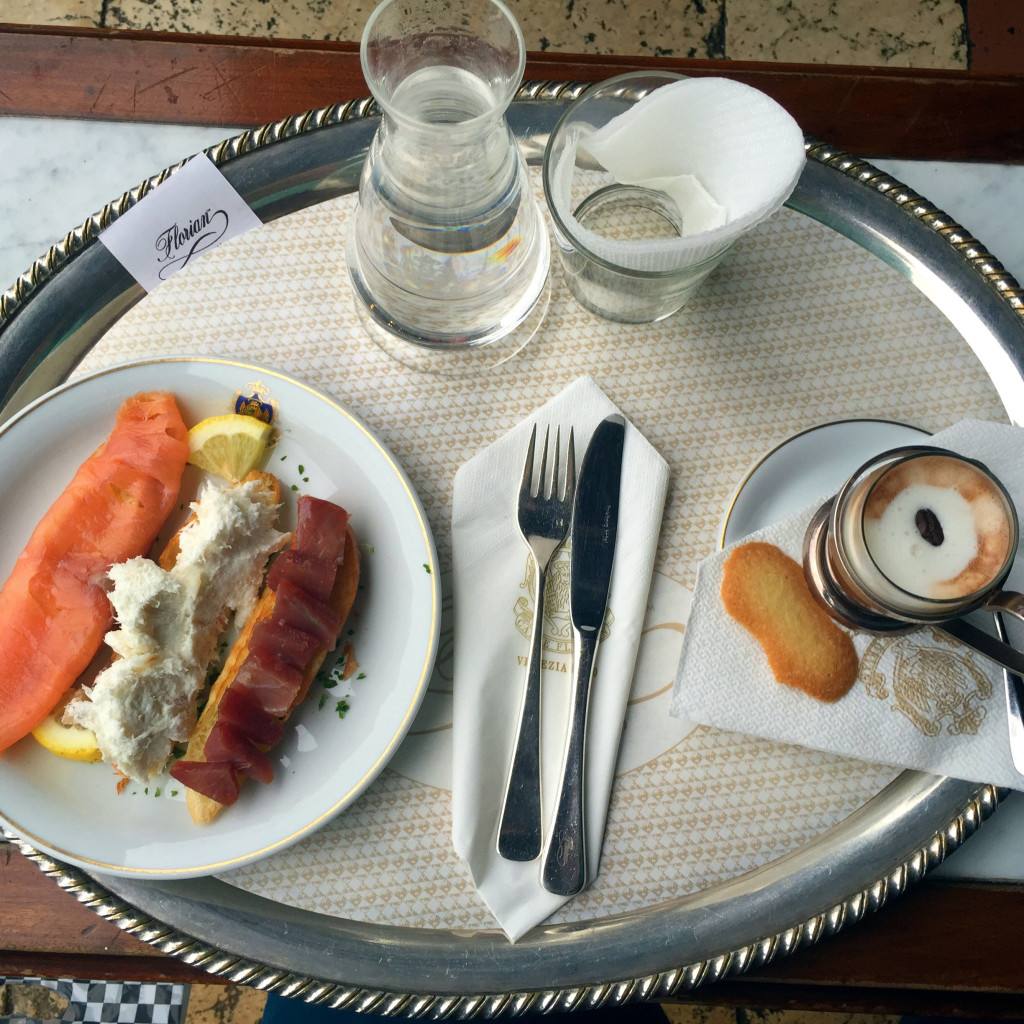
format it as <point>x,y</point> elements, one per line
<point>346,585</point>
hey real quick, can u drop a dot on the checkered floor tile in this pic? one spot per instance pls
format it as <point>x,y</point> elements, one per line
<point>112,1002</point>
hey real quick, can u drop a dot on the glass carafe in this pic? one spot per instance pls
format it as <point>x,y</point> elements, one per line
<point>447,249</point>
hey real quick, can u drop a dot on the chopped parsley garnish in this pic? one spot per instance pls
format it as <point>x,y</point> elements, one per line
<point>342,708</point>
<point>329,678</point>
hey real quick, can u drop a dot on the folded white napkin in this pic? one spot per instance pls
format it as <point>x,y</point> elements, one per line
<point>921,700</point>
<point>493,615</point>
<point>727,155</point>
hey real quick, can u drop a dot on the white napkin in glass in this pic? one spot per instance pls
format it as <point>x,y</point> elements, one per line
<point>491,588</point>
<point>920,701</point>
<point>728,156</point>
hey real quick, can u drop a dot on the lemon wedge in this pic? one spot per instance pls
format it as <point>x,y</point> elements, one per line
<point>70,741</point>
<point>229,446</point>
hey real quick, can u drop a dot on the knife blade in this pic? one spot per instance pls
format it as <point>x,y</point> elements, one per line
<point>593,532</point>
<point>1014,704</point>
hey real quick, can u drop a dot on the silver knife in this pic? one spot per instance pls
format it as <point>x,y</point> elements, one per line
<point>595,516</point>
<point>1014,705</point>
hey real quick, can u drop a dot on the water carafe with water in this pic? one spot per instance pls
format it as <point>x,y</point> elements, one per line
<point>447,248</point>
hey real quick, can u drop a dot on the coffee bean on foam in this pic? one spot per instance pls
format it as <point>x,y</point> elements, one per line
<point>937,527</point>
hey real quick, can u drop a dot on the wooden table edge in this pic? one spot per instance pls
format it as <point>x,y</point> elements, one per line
<point>236,82</point>
<point>941,945</point>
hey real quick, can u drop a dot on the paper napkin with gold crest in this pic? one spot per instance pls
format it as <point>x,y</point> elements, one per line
<point>921,700</point>
<point>493,617</point>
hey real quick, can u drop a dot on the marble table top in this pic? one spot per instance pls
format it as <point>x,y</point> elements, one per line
<point>58,172</point>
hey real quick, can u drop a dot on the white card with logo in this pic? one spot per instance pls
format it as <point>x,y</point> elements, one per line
<point>193,211</point>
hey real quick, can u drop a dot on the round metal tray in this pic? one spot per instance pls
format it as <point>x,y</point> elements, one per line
<point>58,309</point>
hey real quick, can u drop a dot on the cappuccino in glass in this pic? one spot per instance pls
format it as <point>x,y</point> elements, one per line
<point>921,534</point>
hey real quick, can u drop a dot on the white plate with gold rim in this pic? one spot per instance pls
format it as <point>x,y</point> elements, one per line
<point>325,761</point>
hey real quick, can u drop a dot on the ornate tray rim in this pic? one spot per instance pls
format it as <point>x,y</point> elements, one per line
<point>479,984</point>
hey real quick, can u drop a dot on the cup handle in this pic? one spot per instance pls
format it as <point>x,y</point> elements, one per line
<point>1011,660</point>
<point>1007,601</point>
<point>1005,655</point>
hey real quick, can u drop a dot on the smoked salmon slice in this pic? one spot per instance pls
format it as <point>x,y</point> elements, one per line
<point>54,610</point>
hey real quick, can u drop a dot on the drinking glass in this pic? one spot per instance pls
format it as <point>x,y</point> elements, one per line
<point>447,252</point>
<point>920,534</point>
<point>614,211</point>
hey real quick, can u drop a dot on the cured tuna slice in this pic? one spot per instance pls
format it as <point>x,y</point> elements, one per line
<point>314,575</point>
<point>217,780</point>
<point>227,742</point>
<point>289,644</point>
<point>295,608</point>
<point>53,610</point>
<point>239,708</point>
<point>320,529</point>
<point>271,682</point>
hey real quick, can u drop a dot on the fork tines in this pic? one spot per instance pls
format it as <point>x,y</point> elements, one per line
<point>550,485</point>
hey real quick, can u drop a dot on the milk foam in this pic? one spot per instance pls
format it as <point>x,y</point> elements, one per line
<point>910,561</point>
<point>968,551</point>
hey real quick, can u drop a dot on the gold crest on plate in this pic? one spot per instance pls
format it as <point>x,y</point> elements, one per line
<point>254,400</point>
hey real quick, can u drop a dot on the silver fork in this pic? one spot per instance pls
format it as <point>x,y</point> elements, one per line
<point>544,516</point>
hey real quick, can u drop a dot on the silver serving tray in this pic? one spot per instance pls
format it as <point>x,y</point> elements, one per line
<point>57,310</point>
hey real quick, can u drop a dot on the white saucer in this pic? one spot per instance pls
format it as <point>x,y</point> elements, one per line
<point>809,466</point>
